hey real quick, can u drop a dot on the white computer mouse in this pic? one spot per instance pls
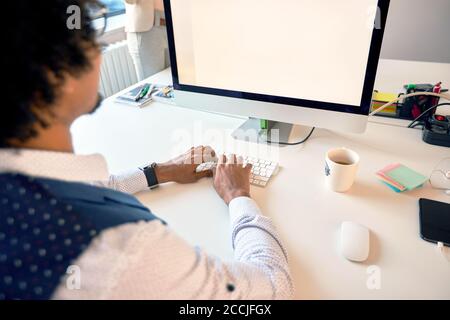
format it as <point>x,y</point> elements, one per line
<point>355,241</point>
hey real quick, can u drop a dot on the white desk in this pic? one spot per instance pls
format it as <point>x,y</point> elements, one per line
<point>306,214</point>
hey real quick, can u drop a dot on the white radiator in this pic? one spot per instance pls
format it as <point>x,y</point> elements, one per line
<point>117,70</point>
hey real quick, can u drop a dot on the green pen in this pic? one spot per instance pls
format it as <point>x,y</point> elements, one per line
<point>149,92</point>
<point>142,93</point>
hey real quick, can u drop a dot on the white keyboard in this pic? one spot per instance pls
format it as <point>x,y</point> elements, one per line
<point>262,170</point>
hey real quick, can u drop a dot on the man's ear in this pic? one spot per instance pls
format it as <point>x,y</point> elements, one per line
<point>69,85</point>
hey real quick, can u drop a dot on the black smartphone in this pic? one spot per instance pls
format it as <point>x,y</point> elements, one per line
<point>435,221</point>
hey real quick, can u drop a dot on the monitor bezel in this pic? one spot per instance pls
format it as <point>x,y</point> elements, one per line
<point>369,81</point>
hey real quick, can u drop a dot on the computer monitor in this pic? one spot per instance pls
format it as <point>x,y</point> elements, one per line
<point>308,62</point>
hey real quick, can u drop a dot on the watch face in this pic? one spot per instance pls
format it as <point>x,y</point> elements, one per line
<point>150,175</point>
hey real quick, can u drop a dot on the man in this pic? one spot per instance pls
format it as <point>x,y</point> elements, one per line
<point>62,234</point>
<point>147,42</point>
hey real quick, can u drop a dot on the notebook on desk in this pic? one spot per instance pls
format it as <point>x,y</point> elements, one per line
<point>130,96</point>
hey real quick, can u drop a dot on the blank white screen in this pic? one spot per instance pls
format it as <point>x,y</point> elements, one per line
<point>307,49</point>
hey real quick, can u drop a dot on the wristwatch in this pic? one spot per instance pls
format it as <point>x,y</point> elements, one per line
<point>150,175</point>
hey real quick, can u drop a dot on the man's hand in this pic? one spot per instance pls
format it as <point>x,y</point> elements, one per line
<point>182,168</point>
<point>231,178</point>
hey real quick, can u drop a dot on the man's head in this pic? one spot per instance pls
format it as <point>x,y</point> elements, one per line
<point>51,70</point>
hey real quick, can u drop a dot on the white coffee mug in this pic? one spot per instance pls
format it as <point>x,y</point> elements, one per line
<point>341,166</point>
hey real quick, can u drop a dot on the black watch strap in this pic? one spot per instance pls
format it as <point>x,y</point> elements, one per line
<point>150,175</point>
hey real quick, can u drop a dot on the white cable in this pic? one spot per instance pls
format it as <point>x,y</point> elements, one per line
<point>440,95</point>
<point>442,250</point>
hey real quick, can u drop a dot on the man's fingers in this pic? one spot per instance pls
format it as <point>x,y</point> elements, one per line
<point>209,155</point>
<point>191,158</point>
<point>204,174</point>
<point>197,155</point>
<point>222,159</point>
<point>200,154</point>
<point>232,159</point>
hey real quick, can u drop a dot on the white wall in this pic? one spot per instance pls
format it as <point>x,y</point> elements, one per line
<point>418,30</point>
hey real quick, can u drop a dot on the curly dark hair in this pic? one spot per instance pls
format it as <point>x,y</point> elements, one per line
<point>40,45</point>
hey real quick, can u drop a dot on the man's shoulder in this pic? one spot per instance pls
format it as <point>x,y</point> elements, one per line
<point>104,207</point>
<point>16,183</point>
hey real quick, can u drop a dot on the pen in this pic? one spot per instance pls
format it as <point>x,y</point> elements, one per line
<point>152,88</point>
<point>138,94</point>
<point>435,101</point>
<point>142,93</point>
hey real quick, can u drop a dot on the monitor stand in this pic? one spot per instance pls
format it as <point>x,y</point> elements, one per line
<point>276,132</point>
